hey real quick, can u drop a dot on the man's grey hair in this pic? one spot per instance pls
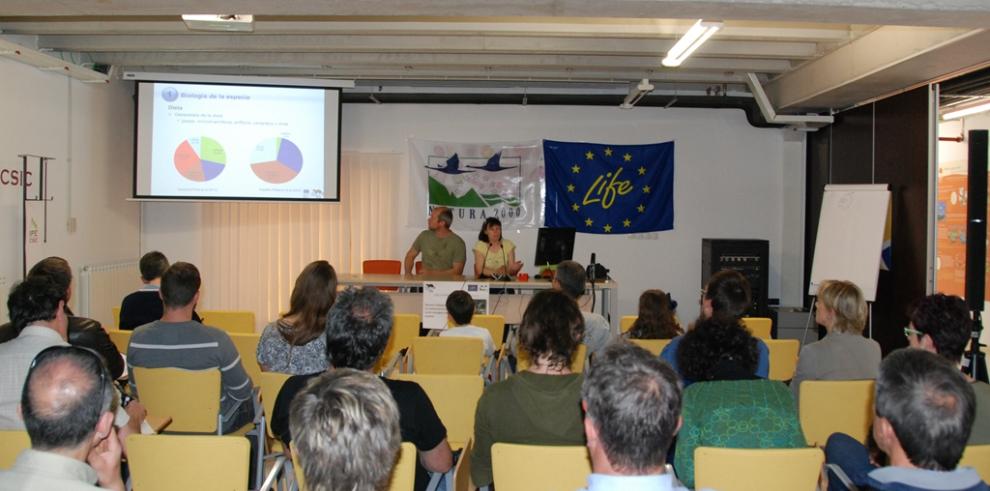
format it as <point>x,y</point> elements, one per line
<point>358,327</point>
<point>634,401</point>
<point>572,277</point>
<point>345,427</point>
<point>929,404</point>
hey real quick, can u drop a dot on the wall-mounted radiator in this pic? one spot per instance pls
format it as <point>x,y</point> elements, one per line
<point>101,287</point>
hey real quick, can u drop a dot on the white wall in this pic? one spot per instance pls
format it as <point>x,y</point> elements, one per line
<point>88,129</point>
<point>730,181</point>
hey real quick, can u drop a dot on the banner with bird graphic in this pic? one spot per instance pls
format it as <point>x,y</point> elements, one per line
<point>609,189</point>
<point>477,181</point>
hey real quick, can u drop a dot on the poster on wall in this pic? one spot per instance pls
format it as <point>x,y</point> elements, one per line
<point>435,295</point>
<point>950,218</point>
<point>477,181</point>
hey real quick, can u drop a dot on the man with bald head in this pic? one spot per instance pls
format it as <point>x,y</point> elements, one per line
<point>443,251</point>
<point>67,408</point>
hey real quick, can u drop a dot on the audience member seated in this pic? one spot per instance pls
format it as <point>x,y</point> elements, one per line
<point>67,406</point>
<point>725,298</point>
<point>728,405</point>
<point>443,251</point>
<point>460,310</point>
<point>570,279</point>
<point>941,324</point>
<point>347,431</point>
<point>145,305</point>
<point>357,332</point>
<point>177,341</point>
<point>541,405</point>
<point>294,343</point>
<point>843,354</point>
<point>82,330</point>
<point>631,424</point>
<point>655,319</point>
<point>494,256</point>
<point>924,414</point>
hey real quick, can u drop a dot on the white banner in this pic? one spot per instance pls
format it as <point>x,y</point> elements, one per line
<point>477,181</point>
<point>435,295</point>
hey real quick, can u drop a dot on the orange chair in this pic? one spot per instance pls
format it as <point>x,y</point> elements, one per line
<point>382,266</point>
<point>419,267</point>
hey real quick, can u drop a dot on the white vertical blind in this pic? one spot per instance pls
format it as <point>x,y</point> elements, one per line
<point>252,252</point>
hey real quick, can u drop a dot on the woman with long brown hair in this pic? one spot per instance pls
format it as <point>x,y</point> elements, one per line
<point>294,343</point>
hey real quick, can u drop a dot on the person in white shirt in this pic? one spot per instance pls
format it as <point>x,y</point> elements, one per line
<point>460,310</point>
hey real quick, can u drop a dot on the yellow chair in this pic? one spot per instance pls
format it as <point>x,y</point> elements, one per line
<point>168,462</point>
<point>462,471</point>
<point>455,398</point>
<point>116,316</point>
<point>977,457</point>
<point>495,325</point>
<point>626,322</point>
<point>547,468</point>
<point>447,355</point>
<point>748,469</point>
<point>403,474</point>
<point>12,442</point>
<point>271,383</point>
<point>229,320</point>
<point>120,339</point>
<point>783,358</point>
<point>190,397</point>
<point>577,365</point>
<point>829,406</point>
<point>758,326</point>
<point>247,347</point>
<point>654,346</point>
<point>405,328</point>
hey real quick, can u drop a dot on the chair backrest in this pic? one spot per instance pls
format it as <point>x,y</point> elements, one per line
<point>190,397</point>
<point>405,328</point>
<point>525,467</point>
<point>626,322</point>
<point>418,267</point>
<point>455,398</point>
<point>495,325</point>
<point>462,471</point>
<point>229,320</point>
<point>977,457</point>
<point>270,384</point>
<point>654,346</point>
<point>12,442</point>
<point>447,355</point>
<point>783,357</point>
<point>403,474</point>
<point>829,406</point>
<point>577,364</point>
<point>247,348</point>
<point>381,266</point>
<point>167,462</point>
<point>758,326</point>
<point>747,469</point>
<point>116,316</point>
<point>120,339</point>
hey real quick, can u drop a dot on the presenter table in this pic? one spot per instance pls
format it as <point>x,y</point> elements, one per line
<point>509,305</point>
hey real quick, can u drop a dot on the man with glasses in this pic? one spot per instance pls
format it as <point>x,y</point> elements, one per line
<point>67,407</point>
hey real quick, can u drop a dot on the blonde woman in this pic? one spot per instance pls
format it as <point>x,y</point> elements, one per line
<point>843,354</point>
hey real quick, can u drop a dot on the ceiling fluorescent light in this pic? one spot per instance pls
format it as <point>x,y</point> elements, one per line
<point>692,39</point>
<point>219,22</point>
<point>969,111</point>
<point>637,92</point>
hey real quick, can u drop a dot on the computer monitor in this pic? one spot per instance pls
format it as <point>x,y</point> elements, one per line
<point>554,245</point>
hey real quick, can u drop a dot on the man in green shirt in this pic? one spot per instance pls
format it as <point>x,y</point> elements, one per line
<point>443,250</point>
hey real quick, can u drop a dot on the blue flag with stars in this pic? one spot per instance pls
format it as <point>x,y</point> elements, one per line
<point>609,189</point>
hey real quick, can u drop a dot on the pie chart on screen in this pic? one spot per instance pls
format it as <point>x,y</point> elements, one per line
<point>276,160</point>
<point>200,159</point>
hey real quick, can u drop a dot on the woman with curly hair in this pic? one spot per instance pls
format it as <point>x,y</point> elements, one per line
<point>728,405</point>
<point>655,319</point>
<point>294,343</point>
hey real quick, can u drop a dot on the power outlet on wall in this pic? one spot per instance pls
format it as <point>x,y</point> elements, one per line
<point>70,225</point>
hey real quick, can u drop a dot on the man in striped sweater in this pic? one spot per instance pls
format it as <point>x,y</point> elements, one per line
<point>177,341</point>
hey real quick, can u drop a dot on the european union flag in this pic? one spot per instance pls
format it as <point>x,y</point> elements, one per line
<point>609,189</point>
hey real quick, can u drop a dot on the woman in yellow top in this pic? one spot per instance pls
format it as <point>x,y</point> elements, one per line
<point>494,257</point>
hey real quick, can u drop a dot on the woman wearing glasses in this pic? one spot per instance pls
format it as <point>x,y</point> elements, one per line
<point>843,354</point>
